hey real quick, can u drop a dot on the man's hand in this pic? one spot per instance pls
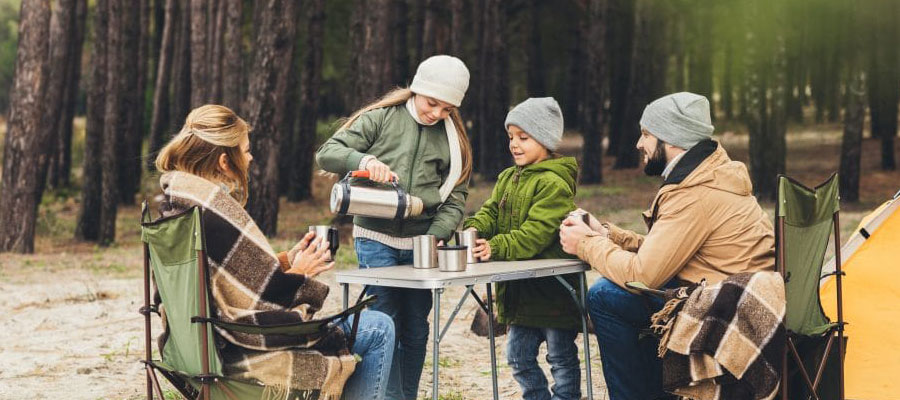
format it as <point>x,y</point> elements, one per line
<point>571,232</point>
<point>482,250</point>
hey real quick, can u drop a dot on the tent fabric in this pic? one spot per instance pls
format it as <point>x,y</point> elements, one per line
<point>871,305</point>
<point>808,223</point>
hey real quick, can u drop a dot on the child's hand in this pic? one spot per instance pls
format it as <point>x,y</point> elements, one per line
<point>380,172</point>
<point>482,250</point>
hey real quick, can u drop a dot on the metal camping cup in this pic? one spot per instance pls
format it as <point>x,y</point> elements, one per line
<point>326,232</point>
<point>584,215</point>
<point>452,258</point>
<point>425,251</point>
<point>373,201</point>
<point>467,238</point>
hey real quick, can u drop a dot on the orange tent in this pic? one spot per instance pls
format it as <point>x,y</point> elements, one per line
<point>871,297</point>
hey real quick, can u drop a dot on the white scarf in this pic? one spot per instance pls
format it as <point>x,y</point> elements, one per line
<point>455,150</point>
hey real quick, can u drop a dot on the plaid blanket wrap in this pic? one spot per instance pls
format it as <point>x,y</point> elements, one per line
<point>727,340</point>
<point>248,286</point>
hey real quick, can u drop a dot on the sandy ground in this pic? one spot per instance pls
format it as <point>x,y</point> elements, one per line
<point>77,335</point>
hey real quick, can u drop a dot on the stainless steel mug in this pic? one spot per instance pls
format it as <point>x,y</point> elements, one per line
<point>584,215</point>
<point>425,251</point>
<point>326,232</point>
<point>452,258</point>
<point>467,238</point>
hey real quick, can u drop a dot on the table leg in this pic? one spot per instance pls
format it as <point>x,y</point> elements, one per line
<point>584,333</point>
<point>436,335</point>
<point>346,287</point>
<point>490,305</point>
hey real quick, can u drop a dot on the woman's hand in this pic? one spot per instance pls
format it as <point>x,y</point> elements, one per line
<point>379,171</point>
<point>300,246</point>
<point>482,250</point>
<point>312,260</point>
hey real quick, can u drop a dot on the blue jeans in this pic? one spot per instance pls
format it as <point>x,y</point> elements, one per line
<point>630,365</point>
<point>562,355</point>
<point>375,344</point>
<point>409,308</point>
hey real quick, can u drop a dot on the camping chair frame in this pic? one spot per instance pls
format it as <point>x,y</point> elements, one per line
<point>205,378</point>
<point>835,331</point>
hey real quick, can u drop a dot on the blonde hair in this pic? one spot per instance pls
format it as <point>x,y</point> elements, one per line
<point>400,96</point>
<point>208,132</point>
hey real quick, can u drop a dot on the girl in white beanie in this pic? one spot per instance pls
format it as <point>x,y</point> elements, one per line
<point>416,136</point>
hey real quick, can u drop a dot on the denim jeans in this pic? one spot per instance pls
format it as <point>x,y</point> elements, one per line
<point>409,308</point>
<point>562,355</point>
<point>630,365</point>
<point>375,344</point>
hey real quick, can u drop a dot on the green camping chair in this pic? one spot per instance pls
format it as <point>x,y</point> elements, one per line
<point>804,220</point>
<point>174,252</point>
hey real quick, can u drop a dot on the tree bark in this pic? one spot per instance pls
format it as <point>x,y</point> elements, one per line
<point>884,75</point>
<point>647,78</point>
<point>216,46</point>
<point>728,81</point>
<point>310,81</point>
<point>534,54</point>
<point>181,68</point>
<point>620,39</point>
<point>370,39</point>
<point>231,66</point>
<point>766,108</point>
<point>115,119</point>
<point>275,33</point>
<point>851,143</point>
<point>159,122</point>
<point>88,225</point>
<point>64,56</point>
<point>199,54</point>
<point>700,67</point>
<point>134,58</point>
<point>429,30</point>
<point>20,185</point>
<point>595,94</point>
<point>575,70</point>
<point>458,27</point>
<point>493,65</point>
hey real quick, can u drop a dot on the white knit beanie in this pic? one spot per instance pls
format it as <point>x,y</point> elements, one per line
<point>680,119</point>
<point>442,77</point>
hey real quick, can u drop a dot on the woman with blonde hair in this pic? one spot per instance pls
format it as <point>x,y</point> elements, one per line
<point>415,136</point>
<point>206,165</point>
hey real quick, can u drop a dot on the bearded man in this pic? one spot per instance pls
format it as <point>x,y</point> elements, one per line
<point>703,223</point>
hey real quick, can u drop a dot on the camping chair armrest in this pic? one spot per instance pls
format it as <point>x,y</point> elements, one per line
<point>298,328</point>
<point>641,288</point>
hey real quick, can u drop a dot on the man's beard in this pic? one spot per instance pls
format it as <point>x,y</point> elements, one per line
<point>657,162</point>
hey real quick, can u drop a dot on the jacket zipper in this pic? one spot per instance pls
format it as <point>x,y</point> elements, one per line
<point>411,166</point>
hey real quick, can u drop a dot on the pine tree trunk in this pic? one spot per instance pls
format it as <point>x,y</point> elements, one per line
<point>620,37</point>
<point>883,77</point>
<point>25,138</point>
<point>458,27</point>
<point>533,52</point>
<point>159,122</point>
<point>400,47</point>
<point>231,67</point>
<point>700,70</point>
<point>429,29</point>
<point>275,26</point>
<point>88,225</point>
<point>493,92</point>
<point>304,146</point>
<point>575,73</point>
<point>647,78</point>
<point>217,48</point>
<point>851,144</point>
<point>728,81</point>
<point>199,53</point>
<point>181,66</point>
<point>134,56</point>
<point>370,39</point>
<point>115,119</point>
<point>62,58</point>
<point>595,93</point>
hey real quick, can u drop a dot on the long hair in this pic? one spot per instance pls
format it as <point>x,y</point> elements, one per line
<point>208,132</point>
<point>400,96</point>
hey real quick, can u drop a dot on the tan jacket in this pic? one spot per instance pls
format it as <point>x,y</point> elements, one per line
<point>708,225</point>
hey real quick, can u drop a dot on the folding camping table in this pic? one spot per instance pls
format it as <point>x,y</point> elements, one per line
<point>488,273</point>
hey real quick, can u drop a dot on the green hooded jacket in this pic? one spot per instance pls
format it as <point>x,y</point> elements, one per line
<point>521,221</point>
<point>418,154</point>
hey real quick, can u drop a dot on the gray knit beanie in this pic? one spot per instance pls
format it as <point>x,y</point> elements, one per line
<point>680,119</point>
<point>541,118</point>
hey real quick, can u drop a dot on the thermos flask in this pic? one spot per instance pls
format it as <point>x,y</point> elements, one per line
<point>390,202</point>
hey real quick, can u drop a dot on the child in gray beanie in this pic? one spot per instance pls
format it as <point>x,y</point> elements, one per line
<point>521,222</point>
